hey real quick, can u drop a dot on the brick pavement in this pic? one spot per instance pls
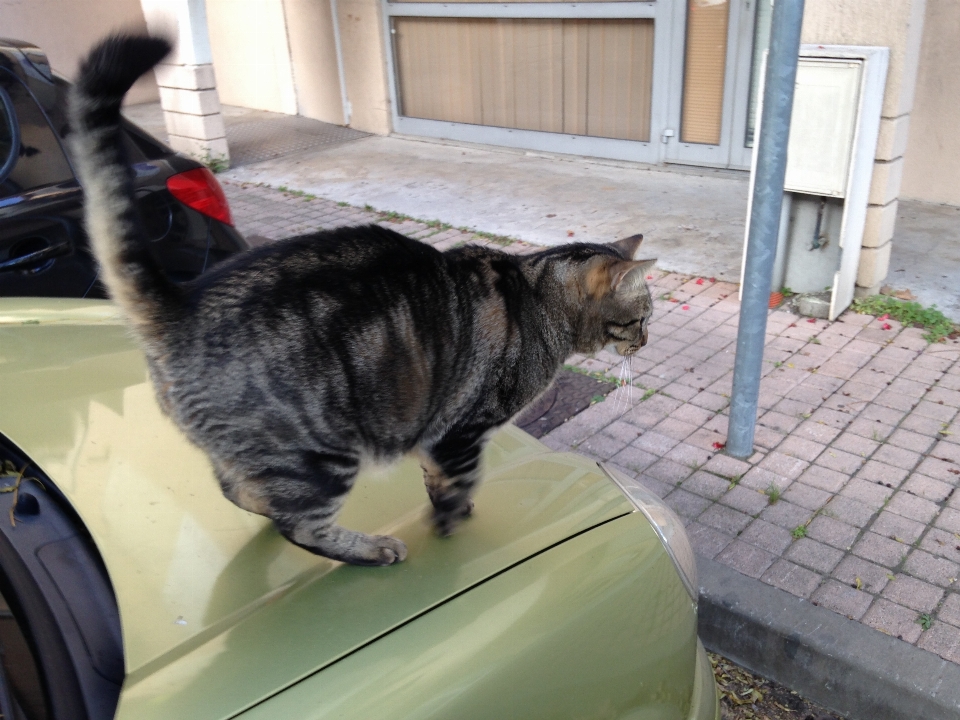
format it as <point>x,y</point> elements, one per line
<point>850,500</point>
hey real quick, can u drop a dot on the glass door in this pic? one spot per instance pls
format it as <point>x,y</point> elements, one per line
<point>711,99</point>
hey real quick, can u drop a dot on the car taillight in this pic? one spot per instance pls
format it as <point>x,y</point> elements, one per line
<point>199,189</point>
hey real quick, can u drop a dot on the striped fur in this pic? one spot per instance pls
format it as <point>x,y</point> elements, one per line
<point>291,364</point>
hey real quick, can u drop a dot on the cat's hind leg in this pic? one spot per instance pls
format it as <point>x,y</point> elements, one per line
<point>451,473</point>
<point>303,501</point>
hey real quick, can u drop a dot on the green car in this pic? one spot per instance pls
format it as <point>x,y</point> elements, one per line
<point>136,591</point>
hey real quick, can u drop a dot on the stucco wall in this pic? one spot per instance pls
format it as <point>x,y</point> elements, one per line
<point>313,54</point>
<point>251,56</point>
<point>932,160</point>
<point>66,30</point>
<point>361,37</point>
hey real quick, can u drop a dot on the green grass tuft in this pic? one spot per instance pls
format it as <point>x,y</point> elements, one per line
<point>910,314</point>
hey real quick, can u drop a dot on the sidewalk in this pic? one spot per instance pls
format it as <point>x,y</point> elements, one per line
<point>850,500</point>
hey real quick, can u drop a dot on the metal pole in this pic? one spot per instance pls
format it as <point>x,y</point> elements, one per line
<point>764,222</point>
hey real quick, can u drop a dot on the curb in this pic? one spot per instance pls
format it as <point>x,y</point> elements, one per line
<point>858,672</point>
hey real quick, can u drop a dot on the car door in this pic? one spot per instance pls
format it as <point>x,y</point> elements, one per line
<point>42,247</point>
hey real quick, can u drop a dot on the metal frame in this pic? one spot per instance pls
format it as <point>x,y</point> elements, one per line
<point>659,11</point>
<point>736,89</point>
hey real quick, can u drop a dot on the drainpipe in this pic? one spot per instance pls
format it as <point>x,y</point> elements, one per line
<point>771,169</point>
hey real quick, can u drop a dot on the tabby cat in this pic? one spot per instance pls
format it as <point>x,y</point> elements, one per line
<point>292,363</point>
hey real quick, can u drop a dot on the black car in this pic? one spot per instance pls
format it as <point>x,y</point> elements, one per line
<point>43,247</point>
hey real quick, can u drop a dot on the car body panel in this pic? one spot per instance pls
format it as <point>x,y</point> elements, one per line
<point>194,575</point>
<point>559,636</point>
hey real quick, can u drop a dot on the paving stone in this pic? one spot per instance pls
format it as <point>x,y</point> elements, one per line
<point>944,640</point>
<point>807,496</point>
<point>786,515</point>
<point>941,543</point>
<point>911,506</point>
<point>767,536</point>
<point>868,493</point>
<point>706,485</point>
<point>655,443</point>
<point>897,527</point>
<point>792,578</point>
<point>950,609</point>
<point>707,541</point>
<point>842,599</point>
<point>725,519</point>
<point>912,593</point>
<point>833,532</point>
<point>823,478</point>
<point>686,504</point>
<point>855,444</point>
<point>872,578</point>
<point>745,499</point>
<point>668,471</point>
<point>882,472</point>
<point>634,458</point>
<point>893,619</point>
<point>814,555</point>
<point>933,569</point>
<point>848,510</point>
<point>881,550</point>
<point>801,448</point>
<point>747,559</point>
<point>896,456</point>
<point>909,440</point>
<point>784,465</point>
<point>726,466</point>
<point>949,520</point>
<point>840,461</point>
<point>928,488</point>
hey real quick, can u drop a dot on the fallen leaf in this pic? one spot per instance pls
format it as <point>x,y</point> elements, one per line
<point>713,279</point>
<point>885,316</point>
<point>719,445</point>
<point>811,320</point>
<point>649,277</point>
<point>699,281</point>
<point>885,326</point>
<point>685,307</point>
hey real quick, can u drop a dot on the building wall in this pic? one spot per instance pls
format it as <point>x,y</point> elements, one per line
<point>313,54</point>
<point>932,161</point>
<point>365,65</point>
<point>898,25</point>
<point>251,55</point>
<point>66,30</point>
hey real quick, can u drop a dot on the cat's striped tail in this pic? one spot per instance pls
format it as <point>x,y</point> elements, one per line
<point>133,278</point>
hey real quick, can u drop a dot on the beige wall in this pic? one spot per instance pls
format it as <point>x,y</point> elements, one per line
<point>932,161</point>
<point>898,25</point>
<point>66,30</point>
<point>365,65</point>
<point>313,55</point>
<point>251,56</point>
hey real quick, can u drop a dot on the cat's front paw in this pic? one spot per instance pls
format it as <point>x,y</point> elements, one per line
<point>445,522</point>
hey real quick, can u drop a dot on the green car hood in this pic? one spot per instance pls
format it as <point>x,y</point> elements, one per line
<point>201,583</point>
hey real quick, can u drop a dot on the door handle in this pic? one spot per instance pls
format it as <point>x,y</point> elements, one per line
<point>24,261</point>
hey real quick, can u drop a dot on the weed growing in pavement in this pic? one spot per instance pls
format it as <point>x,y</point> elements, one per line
<point>343,204</point>
<point>925,621</point>
<point>734,481</point>
<point>910,314</point>
<point>297,193</point>
<point>597,399</point>
<point>216,163</point>
<point>595,374</point>
<point>800,531</point>
<point>773,493</point>
<point>650,392</point>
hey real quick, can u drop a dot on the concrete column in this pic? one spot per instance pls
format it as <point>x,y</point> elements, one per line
<point>898,25</point>
<point>188,88</point>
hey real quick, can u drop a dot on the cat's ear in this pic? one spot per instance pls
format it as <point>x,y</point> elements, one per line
<point>629,274</point>
<point>627,247</point>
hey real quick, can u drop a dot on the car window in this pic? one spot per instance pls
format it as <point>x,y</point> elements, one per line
<point>38,158</point>
<point>9,135</point>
